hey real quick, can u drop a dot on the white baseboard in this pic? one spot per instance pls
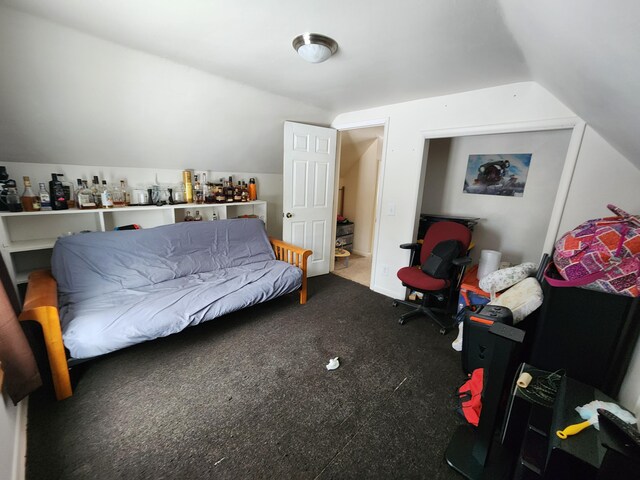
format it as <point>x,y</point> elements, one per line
<point>384,291</point>
<point>362,254</point>
<point>20,442</point>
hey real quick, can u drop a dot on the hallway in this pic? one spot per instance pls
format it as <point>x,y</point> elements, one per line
<point>359,269</point>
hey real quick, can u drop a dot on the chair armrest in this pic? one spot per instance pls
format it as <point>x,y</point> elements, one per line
<point>297,257</point>
<point>414,247</point>
<point>41,305</point>
<point>462,261</point>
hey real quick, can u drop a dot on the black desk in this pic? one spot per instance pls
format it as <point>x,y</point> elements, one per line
<point>542,453</point>
<point>427,219</point>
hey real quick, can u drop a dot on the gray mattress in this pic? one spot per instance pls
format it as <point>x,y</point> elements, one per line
<point>121,288</point>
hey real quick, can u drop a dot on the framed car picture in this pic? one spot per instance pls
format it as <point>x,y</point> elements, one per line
<point>503,174</point>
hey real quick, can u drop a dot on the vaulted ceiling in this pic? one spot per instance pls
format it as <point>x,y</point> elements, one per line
<point>585,52</point>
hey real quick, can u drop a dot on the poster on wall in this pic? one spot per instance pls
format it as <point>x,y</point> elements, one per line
<point>502,174</point>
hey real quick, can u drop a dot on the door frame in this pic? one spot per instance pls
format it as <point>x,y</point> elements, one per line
<point>340,127</point>
<point>575,124</point>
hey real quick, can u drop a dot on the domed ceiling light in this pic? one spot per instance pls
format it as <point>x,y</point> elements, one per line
<point>314,48</point>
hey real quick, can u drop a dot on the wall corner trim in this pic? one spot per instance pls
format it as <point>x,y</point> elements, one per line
<point>18,470</point>
<point>515,127</point>
<point>576,124</point>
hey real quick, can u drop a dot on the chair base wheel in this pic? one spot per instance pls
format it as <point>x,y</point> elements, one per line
<point>444,327</point>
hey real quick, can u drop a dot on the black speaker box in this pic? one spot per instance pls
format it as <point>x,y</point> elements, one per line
<point>477,343</point>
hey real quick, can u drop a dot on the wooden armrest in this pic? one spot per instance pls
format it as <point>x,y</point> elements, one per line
<point>41,305</point>
<point>296,256</point>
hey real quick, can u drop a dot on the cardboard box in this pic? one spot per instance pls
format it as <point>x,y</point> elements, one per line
<point>470,292</point>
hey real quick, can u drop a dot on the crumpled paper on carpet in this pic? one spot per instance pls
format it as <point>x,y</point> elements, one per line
<point>333,364</point>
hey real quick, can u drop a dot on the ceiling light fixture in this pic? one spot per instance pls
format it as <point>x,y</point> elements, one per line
<point>314,48</point>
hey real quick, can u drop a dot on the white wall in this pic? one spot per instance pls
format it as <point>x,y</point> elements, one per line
<point>70,98</point>
<point>601,174</point>
<point>360,197</point>
<point>402,181</point>
<point>12,440</point>
<point>515,226</point>
<point>604,176</point>
<point>269,185</point>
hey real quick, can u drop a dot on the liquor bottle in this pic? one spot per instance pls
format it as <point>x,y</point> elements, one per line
<point>237,193</point>
<point>45,199</point>
<point>118,195</point>
<point>197,190</point>
<point>77,190</point>
<point>67,187</point>
<point>13,199</point>
<point>85,199</point>
<point>188,186</point>
<point>210,193</point>
<point>204,187</point>
<point>125,190</point>
<point>96,191</point>
<point>228,194</point>
<point>106,198</point>
<point>58,197</point>
<point>225,184</point>
<point>253,192</point>
<point>197,217</point>
<point>188,217</point>
<point>30,201</point>
<point>220,192</point>
<point>245,192</point>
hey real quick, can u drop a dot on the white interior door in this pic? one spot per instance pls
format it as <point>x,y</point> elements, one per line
<point>309,169</point>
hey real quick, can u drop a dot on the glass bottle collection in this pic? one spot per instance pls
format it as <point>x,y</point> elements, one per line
<point>62,195</point>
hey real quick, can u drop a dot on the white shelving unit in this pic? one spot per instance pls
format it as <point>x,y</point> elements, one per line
<point>27,238</point>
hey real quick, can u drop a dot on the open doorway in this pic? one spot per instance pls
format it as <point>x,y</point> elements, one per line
<point>359,164</point>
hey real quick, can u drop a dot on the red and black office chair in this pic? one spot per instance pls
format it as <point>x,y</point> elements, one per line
<point>444,285</point>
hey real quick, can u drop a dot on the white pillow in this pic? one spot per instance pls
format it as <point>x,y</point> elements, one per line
<point>505,278</point>
<point>522,299</point>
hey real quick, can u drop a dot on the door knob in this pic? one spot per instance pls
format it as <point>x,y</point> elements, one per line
<point>289,215</point>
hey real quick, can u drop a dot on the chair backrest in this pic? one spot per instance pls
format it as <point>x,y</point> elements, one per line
<point>441,231</point>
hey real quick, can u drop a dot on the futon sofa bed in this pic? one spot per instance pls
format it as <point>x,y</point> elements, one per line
<point>110,290</point>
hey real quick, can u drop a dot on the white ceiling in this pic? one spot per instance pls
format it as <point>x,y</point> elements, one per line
<point>586,52</point>
<point>389,51</point>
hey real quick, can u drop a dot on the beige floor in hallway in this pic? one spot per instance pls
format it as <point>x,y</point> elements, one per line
<point>359,269</point>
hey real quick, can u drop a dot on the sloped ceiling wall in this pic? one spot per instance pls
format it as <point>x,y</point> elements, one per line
<point>71,98</point>
<point>177,84</point>
<point>587,53</point>
<point>354,143</point>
